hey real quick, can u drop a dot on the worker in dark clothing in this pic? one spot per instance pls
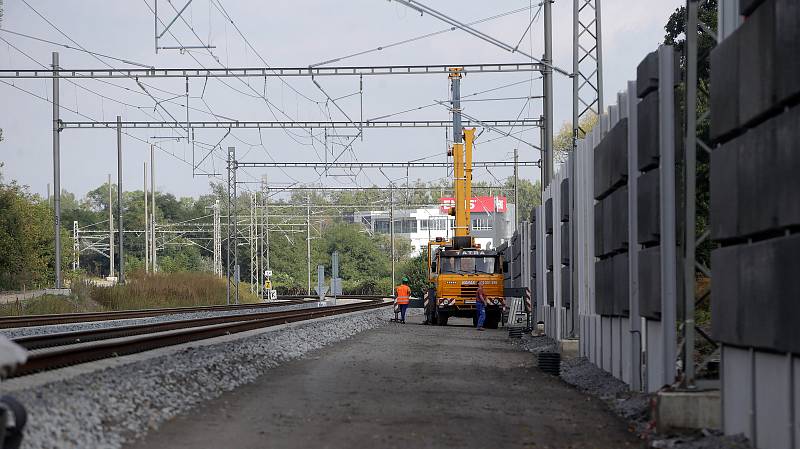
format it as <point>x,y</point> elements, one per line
<point>480,306</point>
<point>402,298</point>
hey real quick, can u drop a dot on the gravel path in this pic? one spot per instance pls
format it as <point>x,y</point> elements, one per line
<point>634,407</point>
<point>73,327</point>
<point>402,387</point>
<point>105,408</point>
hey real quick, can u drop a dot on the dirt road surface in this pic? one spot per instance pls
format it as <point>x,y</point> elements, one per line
<point>403,387</point>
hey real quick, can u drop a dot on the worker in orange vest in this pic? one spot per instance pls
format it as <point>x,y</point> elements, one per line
<point>402,298</point>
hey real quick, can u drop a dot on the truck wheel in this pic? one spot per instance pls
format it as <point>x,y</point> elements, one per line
<point>442,318</point>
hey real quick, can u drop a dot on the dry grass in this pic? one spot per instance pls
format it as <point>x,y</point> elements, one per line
<point>142,291</point>
<point>48,304</point>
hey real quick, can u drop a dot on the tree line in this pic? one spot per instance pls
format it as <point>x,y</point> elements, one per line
<point>27,223</point>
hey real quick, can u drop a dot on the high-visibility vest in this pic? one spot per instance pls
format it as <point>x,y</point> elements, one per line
<point>403,294</point>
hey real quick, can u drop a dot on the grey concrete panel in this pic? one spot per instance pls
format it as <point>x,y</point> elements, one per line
<point>787,46</point>
<point>726,319</point>
<point>618,154</point>
<point>769,293</point>
<point>772,401</point>
<point>655,359</point>
<point>766,303</point>
<point>724,191</point>
<point>756,65</point>
<point>620,288</point>
<point>796,399</point>
<point>650,283</point>
<point>725,88</point>
<point>737,390</point>
<point>609,215</point>
<point>754,181</point>
<point>647,75</point>
<point>648,230</point>
<point>604,287</point>
<point>619,234</point>
<point>756,164</point>
<point>626,350</point>
<point>601,162</point>
<point>598,229</point>
<point>769,44</point>
<point>616,347</point>
<point>548,216</point>
<point>648,131</point>
<point>746,7</point>
<point>606,347</point>
<point>785,174</point>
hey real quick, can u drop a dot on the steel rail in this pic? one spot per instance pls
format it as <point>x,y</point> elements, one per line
<point>83,336</point>
<point>72,354</point>
<point>83,317</point>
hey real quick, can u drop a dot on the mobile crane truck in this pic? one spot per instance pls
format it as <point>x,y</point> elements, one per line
<point>456,266</point>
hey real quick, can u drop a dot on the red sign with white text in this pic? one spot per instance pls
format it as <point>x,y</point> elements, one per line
<point>477,204</point>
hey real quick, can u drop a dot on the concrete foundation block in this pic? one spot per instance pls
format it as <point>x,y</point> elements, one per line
<point>568,348</point>
<point>688,410</point>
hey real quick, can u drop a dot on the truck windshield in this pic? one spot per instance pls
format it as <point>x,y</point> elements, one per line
<point>468,265</point>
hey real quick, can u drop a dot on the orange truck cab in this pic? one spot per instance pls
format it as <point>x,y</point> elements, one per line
<point>455,273</point>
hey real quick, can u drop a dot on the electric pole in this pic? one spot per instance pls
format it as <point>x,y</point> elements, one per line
<point>516,190</point>
<point>119,201</point>
<point>391,232</point>
<point>308,240</point>
<point>146,239</point>
<point>547,77</point>
<point>153,206</point>
<point>110,230</point>
<point>57,172</point>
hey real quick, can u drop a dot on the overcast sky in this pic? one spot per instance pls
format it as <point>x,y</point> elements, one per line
<point>285,33</point>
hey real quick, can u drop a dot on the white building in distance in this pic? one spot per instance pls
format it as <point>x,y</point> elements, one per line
<point>491,222</point>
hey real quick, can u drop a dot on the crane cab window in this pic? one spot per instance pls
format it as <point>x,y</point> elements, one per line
<point>449,265</point>
<point>469,265</point>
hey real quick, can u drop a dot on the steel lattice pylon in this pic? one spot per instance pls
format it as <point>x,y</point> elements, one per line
<point>587,63</point>
<point>253,240</point>
<point>232,267</point>
<point>217,240</point>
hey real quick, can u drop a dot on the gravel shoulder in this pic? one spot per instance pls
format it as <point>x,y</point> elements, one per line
<point>107,403</point>
<point>401,386</point>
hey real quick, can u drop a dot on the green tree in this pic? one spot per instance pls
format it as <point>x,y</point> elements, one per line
<point>416,270</point>
<point>562,141</point>
<point>26,240</point>
<point>676,36</point>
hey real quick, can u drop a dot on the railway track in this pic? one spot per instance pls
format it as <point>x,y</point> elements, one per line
<point>51,351</point>
<point>84,317</point>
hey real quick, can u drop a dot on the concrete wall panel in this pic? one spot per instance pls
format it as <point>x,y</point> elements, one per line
<point>605,323</point>
<point>626,349</point>
<point>772,403</point>
<point>616,347</point>
<point>737,391</point>
<point>655,364</point>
